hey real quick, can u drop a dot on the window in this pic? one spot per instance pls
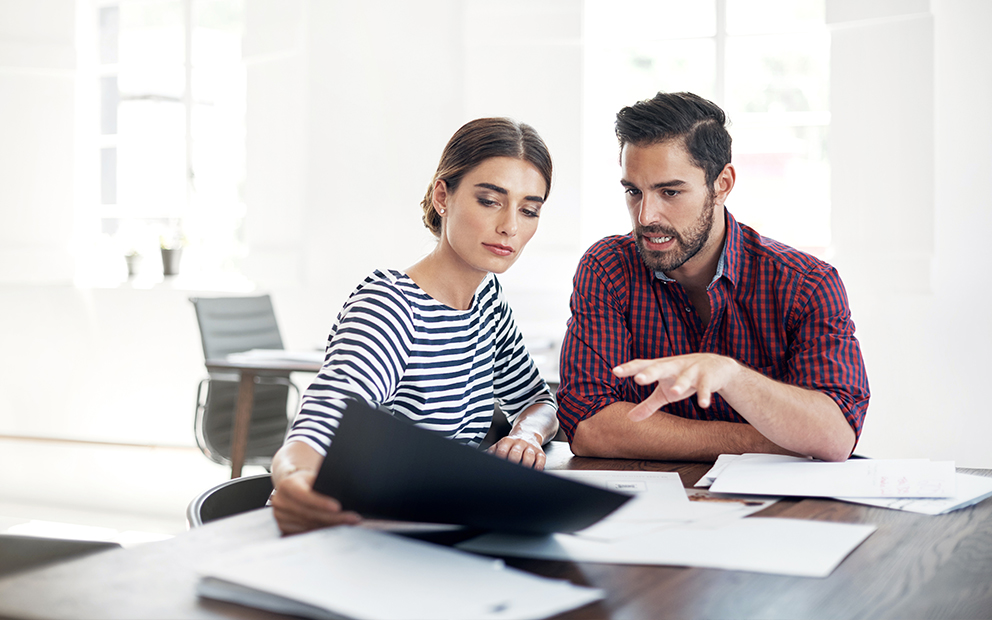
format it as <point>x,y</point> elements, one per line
<point>171,146</point>
<point>765,62</point>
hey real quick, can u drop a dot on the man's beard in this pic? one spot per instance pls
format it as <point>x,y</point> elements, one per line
<point>687,243</point>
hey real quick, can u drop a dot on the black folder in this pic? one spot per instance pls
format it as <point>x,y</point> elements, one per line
<point>386,468</point>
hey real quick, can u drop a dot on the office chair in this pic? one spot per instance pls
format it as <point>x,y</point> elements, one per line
<point>229,498</point>
<point>233,325</point>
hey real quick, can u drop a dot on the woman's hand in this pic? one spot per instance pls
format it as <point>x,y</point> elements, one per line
<point>520,450</point>
<point>295,505</point>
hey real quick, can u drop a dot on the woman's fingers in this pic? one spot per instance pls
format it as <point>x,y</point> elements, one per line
<point>519,451</point>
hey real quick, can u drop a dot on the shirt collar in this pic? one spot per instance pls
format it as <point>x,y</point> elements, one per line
<point>729,263</point>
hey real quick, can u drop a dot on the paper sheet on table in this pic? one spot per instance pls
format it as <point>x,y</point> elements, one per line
<point>765,545</point>
<point>659,501</point>
<point>970,491</point>
<point>721,463</point>
<point>357,573</point>
<point>767,474</point>
<point>278,355</point>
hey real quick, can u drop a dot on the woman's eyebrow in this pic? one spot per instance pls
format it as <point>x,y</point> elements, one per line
<point>501,190</point>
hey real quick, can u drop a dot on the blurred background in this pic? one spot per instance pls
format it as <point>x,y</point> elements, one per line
<point>283,146</point>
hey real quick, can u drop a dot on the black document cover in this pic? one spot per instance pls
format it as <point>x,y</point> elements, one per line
<point>383,467</point>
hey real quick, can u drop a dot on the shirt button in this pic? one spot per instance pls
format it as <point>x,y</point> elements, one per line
<point>688,309</point>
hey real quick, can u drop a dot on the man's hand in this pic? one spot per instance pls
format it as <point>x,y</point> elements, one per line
<point>520,450</point>
<point>678,378</point>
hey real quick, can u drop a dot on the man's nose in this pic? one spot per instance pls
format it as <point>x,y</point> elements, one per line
<point>650,210</point>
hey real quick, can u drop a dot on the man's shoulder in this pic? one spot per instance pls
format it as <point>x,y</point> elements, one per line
<point>612,249</point>
<point>766,250</point>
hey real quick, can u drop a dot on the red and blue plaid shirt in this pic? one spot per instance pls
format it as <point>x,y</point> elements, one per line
<point>780,311</point>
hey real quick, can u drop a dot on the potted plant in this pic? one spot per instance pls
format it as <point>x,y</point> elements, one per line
<point>172,252</point>
<point>133,259</point>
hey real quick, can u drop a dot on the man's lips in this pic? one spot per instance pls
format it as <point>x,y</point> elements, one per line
<point>657,241</point>
<point>498,249</point>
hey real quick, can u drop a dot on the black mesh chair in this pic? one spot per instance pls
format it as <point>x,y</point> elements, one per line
<point>233,325</point>
<point>229,498</point>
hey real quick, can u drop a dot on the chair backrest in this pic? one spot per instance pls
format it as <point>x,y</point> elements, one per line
<point>235,324</point>
<point>232,325</point>
<point>229,498</point>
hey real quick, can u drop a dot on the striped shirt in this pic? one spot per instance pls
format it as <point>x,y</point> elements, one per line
<point>394,345</point>
<point>780,311</point>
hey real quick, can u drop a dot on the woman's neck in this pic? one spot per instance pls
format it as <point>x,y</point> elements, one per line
<point>446,278</point>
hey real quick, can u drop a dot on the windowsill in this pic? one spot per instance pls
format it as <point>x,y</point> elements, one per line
<point>221,282</point>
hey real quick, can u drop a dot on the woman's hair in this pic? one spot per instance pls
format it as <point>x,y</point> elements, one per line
<point>477,141</point>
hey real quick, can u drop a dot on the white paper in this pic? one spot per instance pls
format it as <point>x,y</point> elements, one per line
<point>721,463</point>
<point>765,545</point>
<point>766,474</point>
<point>970,491</point>
<point>278,355</point>
<point>660,501</point>
<point>361,573</point>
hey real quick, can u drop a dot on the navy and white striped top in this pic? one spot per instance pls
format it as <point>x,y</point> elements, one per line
<point>394,345</point>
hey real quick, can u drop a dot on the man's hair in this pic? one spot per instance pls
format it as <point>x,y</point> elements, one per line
<point>698,123</point>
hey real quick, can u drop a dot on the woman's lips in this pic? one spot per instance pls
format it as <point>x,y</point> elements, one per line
<point>498,250</point>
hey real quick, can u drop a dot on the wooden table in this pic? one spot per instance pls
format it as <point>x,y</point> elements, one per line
<point>248,372</point>
<point>913,566</point>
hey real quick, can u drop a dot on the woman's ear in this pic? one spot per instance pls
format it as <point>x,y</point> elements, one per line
<point>440,196</point>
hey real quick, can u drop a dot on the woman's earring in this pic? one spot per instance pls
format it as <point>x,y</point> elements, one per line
<point>441,211</point>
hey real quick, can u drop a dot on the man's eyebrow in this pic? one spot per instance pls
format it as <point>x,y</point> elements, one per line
<point>662,185</point>
<point>501,190</point>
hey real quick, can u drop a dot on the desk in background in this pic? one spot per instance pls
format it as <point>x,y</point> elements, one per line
<point>248,371</point>
<point>913,566</point>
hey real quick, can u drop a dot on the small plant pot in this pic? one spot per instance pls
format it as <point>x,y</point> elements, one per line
<point>133,264</point>
<point>170,260</point>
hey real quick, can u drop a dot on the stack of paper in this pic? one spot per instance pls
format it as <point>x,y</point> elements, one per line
<point>278,355</point>
<point>356,573</point>
<point>663,525</point>
<point>917,485</point>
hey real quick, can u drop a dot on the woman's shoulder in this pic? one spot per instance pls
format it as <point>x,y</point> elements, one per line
<point>385,285</point>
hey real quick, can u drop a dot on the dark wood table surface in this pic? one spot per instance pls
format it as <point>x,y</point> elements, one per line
<point>913,566</point>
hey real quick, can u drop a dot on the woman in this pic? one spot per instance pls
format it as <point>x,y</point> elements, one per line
<point>437,343</point>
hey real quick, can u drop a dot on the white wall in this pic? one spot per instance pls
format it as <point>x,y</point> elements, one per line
<point>910,142</point>
<point>349,106</point>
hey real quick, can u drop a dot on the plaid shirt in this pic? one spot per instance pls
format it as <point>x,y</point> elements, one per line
<point>780,311</point>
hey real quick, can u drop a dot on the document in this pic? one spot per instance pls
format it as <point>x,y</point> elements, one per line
<point>970,491</point>
<point>659,501</point>
<point>278,355</point>
<point>350,572</point>
<point>765,545</point>
<point>768,474</point>
<point>384,467</point>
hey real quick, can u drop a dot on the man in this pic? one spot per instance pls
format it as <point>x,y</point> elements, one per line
<point>694,336</point>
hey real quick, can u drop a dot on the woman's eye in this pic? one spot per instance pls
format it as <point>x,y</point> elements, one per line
<point>487,203</point>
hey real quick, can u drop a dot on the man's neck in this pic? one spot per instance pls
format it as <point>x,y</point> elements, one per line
<point>697,272</point>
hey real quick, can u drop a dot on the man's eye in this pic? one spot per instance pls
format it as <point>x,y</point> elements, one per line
<point>531,213</point>
<point>671,193</point>
<point>632,191</point>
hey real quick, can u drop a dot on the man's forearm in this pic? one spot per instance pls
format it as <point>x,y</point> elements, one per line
<point>611,434</point>
<point>805,421</point>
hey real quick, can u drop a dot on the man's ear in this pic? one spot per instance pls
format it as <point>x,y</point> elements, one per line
<point>724,183</point>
